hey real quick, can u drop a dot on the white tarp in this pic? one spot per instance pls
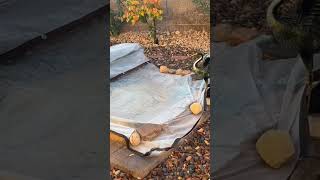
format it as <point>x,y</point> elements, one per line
<point>144,95</point>
<point>124,57</point>
<point>251,96</point>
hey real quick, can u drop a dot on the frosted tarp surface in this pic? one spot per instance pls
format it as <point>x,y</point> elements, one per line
<point>124,57</point>
<point>250,96</point>
<point>144,95</point>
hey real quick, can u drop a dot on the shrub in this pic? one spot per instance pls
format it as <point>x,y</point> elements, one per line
<point>115,24</point>
<point>115,19</point>
<point>145,11</point>
<point>204,5</point>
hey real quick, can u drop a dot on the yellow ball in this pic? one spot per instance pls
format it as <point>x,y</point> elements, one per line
<point>196,108</point>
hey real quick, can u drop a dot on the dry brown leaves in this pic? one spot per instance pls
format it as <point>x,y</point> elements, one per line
<point>187,39</point>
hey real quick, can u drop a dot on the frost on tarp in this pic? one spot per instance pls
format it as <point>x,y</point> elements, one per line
<point>124,57</point>
<point>144,95</point>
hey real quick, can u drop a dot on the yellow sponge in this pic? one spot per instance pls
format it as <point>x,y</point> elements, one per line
<point>275,147</point>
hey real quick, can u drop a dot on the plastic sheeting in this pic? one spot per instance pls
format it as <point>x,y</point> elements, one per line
<point>53,106</point>
<point>124,57</point>
<point>22,21</point>
<point>144,95</point>
<point>251,96</point>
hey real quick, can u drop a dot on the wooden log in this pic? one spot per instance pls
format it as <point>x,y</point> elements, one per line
<point>146,132</point>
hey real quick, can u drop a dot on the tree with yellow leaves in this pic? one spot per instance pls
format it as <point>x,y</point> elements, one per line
<point>145,11</point>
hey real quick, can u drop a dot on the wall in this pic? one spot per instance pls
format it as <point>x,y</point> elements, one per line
<point>178,15</point>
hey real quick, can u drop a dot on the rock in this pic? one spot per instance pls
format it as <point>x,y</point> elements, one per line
<point>154,173</point>
<point>117,172</point>
<point>241,35</point>
<point>275,147</point>
<point>207,143</point>
<point>188,148</point>
<point>204,178</point>
<point>172,71</point>
<point>179,72</point>
<point>186,72</point>
<point>221,32</point>
<point>164,69</point>
<point>188,158</point>
<point>200,130</point>
<point>191,168</point>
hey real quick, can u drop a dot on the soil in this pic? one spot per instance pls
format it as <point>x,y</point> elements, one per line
<point>249,13</point>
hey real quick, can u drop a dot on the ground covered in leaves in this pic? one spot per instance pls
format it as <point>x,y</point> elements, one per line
<point>175,49</point>
<point>191,160</point>
<point>249,13</point>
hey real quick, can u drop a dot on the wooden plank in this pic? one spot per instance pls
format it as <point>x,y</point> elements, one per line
<point>137,166</point>
<point>308,169</point>
<point>314,126</point>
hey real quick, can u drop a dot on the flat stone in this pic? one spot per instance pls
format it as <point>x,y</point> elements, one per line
<point>314,125</point>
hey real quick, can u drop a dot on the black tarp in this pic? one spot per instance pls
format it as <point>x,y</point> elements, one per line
<point>53,100</point>
<point>22,21</point>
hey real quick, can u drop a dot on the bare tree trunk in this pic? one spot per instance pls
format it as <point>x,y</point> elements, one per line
<point>153,32</point>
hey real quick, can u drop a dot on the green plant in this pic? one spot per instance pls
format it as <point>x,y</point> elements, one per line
<point>115,19</point>
<point>115,24</point>
<point>145,11</point>
<point>204,5</point>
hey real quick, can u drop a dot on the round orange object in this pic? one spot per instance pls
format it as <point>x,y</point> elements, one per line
<point>196,108</point>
